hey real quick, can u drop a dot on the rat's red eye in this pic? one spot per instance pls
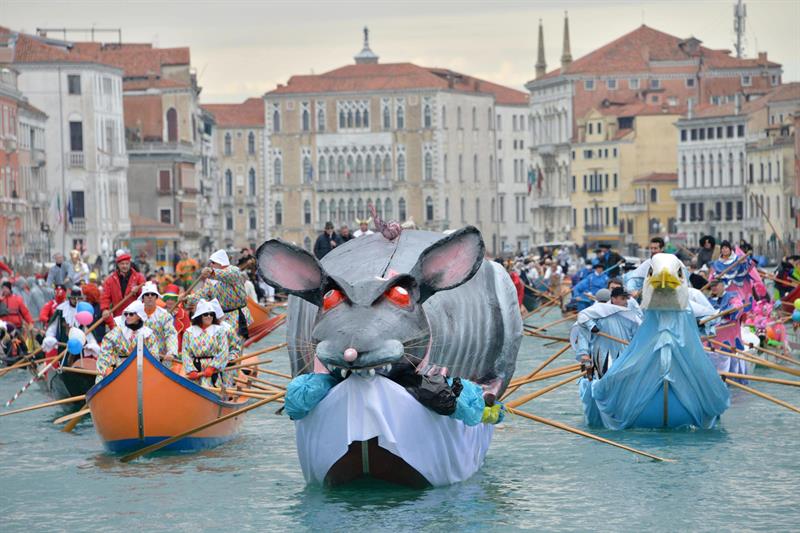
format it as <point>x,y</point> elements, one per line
<point>331,299</point>
<point>399,296</point>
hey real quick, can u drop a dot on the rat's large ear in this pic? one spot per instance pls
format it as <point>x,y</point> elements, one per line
<point>292,269</point>
<point>449,262</point>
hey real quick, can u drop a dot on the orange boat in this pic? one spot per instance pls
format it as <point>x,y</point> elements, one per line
<point>143,402</point>
<point>262,324</point>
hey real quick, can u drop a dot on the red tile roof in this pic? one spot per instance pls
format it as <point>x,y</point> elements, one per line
<point>396,76</point>
<point>32,49</point>
<point>634,51</point>
<point>782,93</point>
<point>638,108</point>
<point>136,59</point>
<point>657,177</point>
<point>249,113</point>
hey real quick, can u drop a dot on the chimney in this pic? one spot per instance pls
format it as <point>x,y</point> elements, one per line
<point>737,103</point>
<point>566,55</point>
<point>541,64</point>
<point>762,59</point>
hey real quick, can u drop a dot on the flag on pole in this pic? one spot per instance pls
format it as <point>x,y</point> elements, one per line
<point>69,211</point>
<point>530,180</point>
<point>539,179</point>
<point>54,211</point>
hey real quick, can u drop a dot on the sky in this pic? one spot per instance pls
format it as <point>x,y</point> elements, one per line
<point>243,48</point>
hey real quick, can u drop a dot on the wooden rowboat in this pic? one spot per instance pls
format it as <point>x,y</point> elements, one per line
<point>263,324</point>
<point>60,384</point>
<point>143,402</point>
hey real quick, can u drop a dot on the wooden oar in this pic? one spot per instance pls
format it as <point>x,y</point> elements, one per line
<point>576,431</point>
<point>79,370</point>
<point>762,395</point>
<point>548,337</point>
<point>528,397</point>
<point>259,352</point>
<point>248,365</point>
<point>237,392</point>
<point>265,382</point>
<point>25,361</point>
<point>776,354</point>
<point>726,270</point>
<point>74,422</point>
<point>257,386</point>
<point>274,373</point>
<point>720,315</point>
<point>613,338</point>
<point>789,382</point>
<point>71,416</point>
<point>565,318</point>
<point>167,442</point>
<point>45,404</point>
<point>773,277</point>
<point>739,354</point>
<point>512,390</point>
<point>546,375</point>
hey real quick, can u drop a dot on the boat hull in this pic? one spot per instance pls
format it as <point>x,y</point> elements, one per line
<point>142,402</point>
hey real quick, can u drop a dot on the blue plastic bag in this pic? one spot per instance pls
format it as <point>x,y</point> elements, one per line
<point>304,393</point>
<point>470,404</point>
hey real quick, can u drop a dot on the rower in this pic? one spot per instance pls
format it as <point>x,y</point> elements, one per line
<point>615,318</point>
<point>160,321</point>
<point>121,341</point>
<point>634,280</point>
<point>205,345</point>
<point>225,282</point>
<point>64,318</point>
<point>181,321</point>
<point>13,309</point>
<point>592,283</point>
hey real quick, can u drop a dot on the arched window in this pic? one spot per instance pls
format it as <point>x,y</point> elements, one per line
<point>387,118</point>
<point>306,120</point>
<point>331,168</point>
<point>368,211</point>
<point>277,171</point>
<point>426,116</point>
<point>323,211</point>
<point>379,208</point>
<point>172,125</point>
<point>342,123</point>
<point>306,212</point>
<point>368,166</point>
<point>377,171</point>
<point>320,119</point>
<point>401,209</point>
<point>349,118</point>
<point>428,167</point>
<point>474,118</point>
<point>308,170</point>
<point>491,167</point>
<point>447,211</point>
<point>228,183</point>
<point>358,118</point>
<point>387,167</point>
<point>340,171</point>
<point>429,209</point>
<point>489,116</point>
<point>401,167</point>
<point>228,144</point>
<point>401,118</point>
<point>351,210</point>
<point>323,169</point>
<point>683,170</point>
<point>276,121</point>
<point>359,167</point>
<point>350,166</point>
<point>228,221</point>
<point>702,170</point>
<point>252,220</point>
<point>251,143</point>
<point>387,209</point>
<point>730,169</point>
<point>278,214</point>
<point>460,167</point>
<point>342,213</point>
<point>494,210</point>
<point>251,183</point>
<point>360,208</point>
<point>444,117</point>
<point>475,167</point>
<point>653,195</point>
<point>365,118</point>
<point>477,209</point>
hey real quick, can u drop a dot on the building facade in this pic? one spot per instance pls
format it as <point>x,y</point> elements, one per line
<point>239,141</point>
<point>645,66</point>
<point>417,143</point>
<point>13,201</point>
<point>86,160</point>
<point>33,177</point>
<point>512,213</point>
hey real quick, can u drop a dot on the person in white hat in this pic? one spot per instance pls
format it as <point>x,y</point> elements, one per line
<point>160,321</point>
<point>205,345</point>
<point>226,283</point>
<point>121,341</point>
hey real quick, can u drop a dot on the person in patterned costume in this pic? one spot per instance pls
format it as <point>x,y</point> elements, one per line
<point>160,321</point>
<point>122,340</point>
<point>205,346</point>
<point>226,283</point>
<point>181,320</point>
<point>235,344</point>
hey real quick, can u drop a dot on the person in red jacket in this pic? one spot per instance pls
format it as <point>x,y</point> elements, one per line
<point>182,320</point>
<point>124,284</point>
<point>12,308</point>
<point>49,308</point>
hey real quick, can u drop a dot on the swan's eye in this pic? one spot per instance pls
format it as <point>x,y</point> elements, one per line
<point>398,296</point>
<point>650,272</point>
<point>331,299</point>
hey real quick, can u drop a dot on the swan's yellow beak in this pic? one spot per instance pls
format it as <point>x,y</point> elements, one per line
<point>665,280</point>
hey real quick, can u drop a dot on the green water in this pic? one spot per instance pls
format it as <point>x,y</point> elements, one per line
<point>745,475</point>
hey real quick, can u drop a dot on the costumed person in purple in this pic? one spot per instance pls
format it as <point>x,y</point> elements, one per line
<point>742,277</point>
<point>728,328</point>
<point>616,318</point>
<point>592,283</point>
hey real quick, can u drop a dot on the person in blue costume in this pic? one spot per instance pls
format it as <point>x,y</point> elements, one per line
<point>634,280</point>
<point>592,283</point>
<point>664,364</point>
<point>616,318</point>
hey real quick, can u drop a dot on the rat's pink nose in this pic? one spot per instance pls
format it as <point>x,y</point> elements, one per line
<point>350,355</point>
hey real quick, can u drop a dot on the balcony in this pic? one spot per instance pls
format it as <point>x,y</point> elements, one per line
<point>226,201</point>
<point>355,185</point>
<point>633,207</point>
<point>10,144</point>
<point>250,201</point>
<point>706,193</point>
<point>38,157</point>
<point>594,229</point>
<point>78,225</point>
<point>76,160</point>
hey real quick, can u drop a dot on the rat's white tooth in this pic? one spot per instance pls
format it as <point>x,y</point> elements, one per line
<point>371,371</point>
<point>344,373</point>
<point>389,367</point>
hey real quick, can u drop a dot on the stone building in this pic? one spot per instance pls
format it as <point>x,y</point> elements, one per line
<point>13,200</point>
<point>645,65</point>
<point>86,160</point>
<point>513,189</point>
<point>417,143</point>
<point>239,143</point>
<point>33,180</point>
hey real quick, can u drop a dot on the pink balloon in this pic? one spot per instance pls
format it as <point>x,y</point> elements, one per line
<point>84,318</point>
